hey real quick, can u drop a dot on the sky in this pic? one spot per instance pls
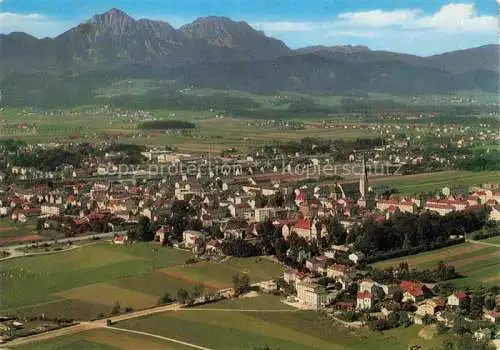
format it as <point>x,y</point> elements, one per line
<point>422,27</point>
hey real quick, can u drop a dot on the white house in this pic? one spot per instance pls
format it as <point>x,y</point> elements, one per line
<point>364,300</point>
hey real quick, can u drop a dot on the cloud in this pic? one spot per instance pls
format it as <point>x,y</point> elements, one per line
<point>377,18</point>
<point>284,27</point>
<point>453,26</point>
<point>450,18</point>
<point>34,23</point>
<point>458,18</point>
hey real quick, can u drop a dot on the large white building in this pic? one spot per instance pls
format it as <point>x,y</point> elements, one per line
<point>50,209</point>
<point>312,294</point>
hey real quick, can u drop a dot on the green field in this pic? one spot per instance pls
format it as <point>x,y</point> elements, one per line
<point>87,281</point>
<point>219,275</point>
<point>104,339</point>
<point>478,263</point>
<point>436,181</point>
<point>9,228</point>
<point>494,240</point>
<point>220,329</point>
<point>86,125</point>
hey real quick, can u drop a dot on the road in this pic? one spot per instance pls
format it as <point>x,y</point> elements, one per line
<point>483,243</point>
<point>99,324</point>
<point>85,326</point>
<point>14,250</point>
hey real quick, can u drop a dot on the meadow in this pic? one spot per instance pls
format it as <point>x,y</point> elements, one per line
<point>493,240</point>
<point>253,323</point>
<point>418,183</point>
<point>10,229</point>
<point>478,263</point>
<point>104,339</point>
<point>87,281</point>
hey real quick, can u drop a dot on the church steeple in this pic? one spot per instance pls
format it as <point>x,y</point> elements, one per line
<point>363,179</point>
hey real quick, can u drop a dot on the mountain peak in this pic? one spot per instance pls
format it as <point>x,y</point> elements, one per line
<point>116,13</point>
<point>114,21</point>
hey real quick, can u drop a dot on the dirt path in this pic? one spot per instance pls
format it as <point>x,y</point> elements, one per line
<point>86,326</point>
<point>241,310</point>
<point>160,337</point>
<point>484,243</point>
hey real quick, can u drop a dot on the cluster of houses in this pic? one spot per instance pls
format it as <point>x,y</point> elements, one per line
<point>238,204</point>
<point>444,204</point>
<point>311,293</point>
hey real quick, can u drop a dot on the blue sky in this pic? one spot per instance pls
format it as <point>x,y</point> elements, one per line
<point>420,26</point>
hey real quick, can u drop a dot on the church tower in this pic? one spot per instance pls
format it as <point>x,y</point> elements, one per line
<point>363,183</point>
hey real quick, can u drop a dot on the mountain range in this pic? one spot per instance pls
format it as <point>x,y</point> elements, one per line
<point>217,52</point>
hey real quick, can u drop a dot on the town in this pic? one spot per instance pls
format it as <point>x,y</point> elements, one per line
<point>328,231</point>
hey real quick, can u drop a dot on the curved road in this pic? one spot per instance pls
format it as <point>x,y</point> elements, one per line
<point>14,250</point>
<point>86,326</point>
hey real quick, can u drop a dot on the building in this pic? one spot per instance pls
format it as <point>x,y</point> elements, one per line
<point>161,232</point>
<point>190,237</point>
<point>440,208</point>
<point>312,295</point>
<point>319,264</point>
<point>369,285</point>
<point>294,277</point>
<point>430,306</point>
<point>50,209</point>
<point>263,214</point>
<point>120,239</point>
<point>414,291</point>
<point>240,210</point>
<point>364,300</point>
<point>457,299</point>
<point>356,257</point>
<point>404,206</point>
<point>492,316</point>
<point>336,270</point>
<point>303,228</point>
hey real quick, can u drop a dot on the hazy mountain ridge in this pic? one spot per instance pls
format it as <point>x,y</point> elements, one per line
<point>217,52</point>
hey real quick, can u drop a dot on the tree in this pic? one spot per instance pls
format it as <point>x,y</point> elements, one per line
<point>476,307</point>
<point>428,319</point>
<point>397,296</point>
<point>116,309</point>
<point>241,283</point>
<point>39,225</point>
<point>182,296</point>
<point>165,299</point>
<point>378,293</point>
<point>198,291</point>
<point>489,302</point>
<point>336,232</point>
<point>144,231</point>
<point>460,326</point>
<point>280,247</point>
<point>352,289</point>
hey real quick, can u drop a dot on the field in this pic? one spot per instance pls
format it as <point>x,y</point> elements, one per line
<point>87,125</point>
<point>251,323</point>
<point>10,229</point>
<point>436,181</point>
<point>87,281</point>
<point>104,339</point>
<point>494,240</point>
<point>220,275</point>
<point>478,263</point>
